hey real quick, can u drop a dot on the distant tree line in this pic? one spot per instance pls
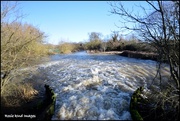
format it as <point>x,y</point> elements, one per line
<point>116,43</point>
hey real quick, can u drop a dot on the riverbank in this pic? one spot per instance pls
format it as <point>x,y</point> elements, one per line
<point>131,54</point>
<point>107,52</point>
<point>41,107</point>
<point>140,55</point>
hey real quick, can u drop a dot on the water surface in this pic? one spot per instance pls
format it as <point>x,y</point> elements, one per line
<point>95,87</point>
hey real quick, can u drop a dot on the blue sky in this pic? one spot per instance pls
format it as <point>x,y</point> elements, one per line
<point>71,21</point>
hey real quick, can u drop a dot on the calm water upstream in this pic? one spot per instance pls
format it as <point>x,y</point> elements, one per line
<point>95,87</point>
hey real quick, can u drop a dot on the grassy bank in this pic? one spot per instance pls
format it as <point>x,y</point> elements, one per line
<point>39,107</point>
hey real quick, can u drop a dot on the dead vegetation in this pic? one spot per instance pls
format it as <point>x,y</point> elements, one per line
<point>21,44</point>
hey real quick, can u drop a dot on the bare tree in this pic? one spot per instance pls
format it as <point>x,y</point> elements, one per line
<point>114,41</point>
<point>115,36</point>
<point>94,36</point>
<point>18,42</point>
<point>94,41</point>
<point>160,27</point>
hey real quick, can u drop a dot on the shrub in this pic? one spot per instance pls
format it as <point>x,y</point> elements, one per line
<point>20,44</point>
<point>66,48</point>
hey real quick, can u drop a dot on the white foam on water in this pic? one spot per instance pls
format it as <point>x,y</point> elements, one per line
<point>95,89</point>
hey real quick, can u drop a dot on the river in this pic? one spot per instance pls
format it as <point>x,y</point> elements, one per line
<point>95,87</point>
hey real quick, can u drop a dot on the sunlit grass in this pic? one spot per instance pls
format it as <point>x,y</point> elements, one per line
<point>16,93</point>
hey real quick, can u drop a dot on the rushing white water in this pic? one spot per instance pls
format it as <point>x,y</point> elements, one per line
<point>95,87</point>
